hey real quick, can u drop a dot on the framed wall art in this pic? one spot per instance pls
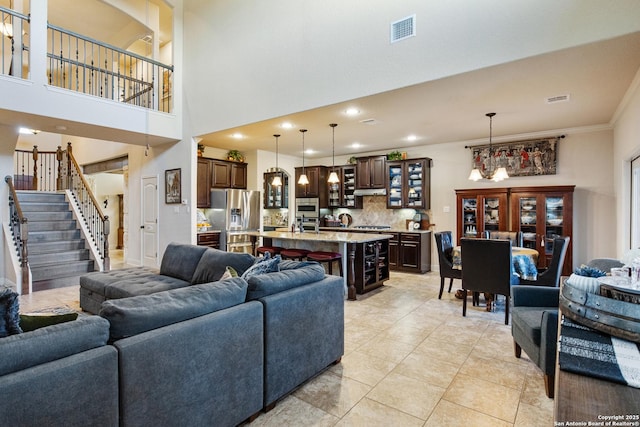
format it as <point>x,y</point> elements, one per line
<point>520,158</point>
<point>173,186</point>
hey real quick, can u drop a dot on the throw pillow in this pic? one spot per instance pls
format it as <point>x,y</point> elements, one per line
<point>229,272</point>
<point>262,266</point>
<point>587,284</point>
<point>9,307</point>
<point>33,321</point>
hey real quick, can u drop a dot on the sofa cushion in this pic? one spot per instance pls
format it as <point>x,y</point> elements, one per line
<point>43,345</point>
<point>180,260</point>
<point>98,280</point>
<point>142,285</point>
<point>131,316</point>
<point>9,307</point>
<point>288,277</point>
<point>263,265</point>
<point>213,263</point>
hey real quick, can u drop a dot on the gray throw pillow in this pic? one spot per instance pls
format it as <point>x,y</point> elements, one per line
<point>213,263</point>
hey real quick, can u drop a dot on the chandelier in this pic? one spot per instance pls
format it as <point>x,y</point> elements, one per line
<point>492,173</point>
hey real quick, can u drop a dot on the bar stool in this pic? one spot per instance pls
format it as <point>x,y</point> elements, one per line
<point>273,250</point>
<point>328,257</point>
<point>294,253</point>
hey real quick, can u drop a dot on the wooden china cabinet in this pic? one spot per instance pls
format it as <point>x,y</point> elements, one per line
<point>480,210</point>
<point>541,214</point>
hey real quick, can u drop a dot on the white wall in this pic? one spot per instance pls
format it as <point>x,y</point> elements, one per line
<point>250,60</point>
<point>626,147</point>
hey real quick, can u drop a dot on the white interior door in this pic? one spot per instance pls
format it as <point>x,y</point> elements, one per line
<point>150,222</point>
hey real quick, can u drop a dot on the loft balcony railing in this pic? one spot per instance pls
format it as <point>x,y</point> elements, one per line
<point>82,64</point>
<point>14,33</point>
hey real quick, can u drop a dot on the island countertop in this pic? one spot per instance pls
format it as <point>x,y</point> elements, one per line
<point>322,236</point>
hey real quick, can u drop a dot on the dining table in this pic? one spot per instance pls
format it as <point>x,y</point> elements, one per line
<point>524,261</point>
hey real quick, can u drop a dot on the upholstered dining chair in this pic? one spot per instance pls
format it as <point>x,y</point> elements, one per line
<point>445,246</point>
<point>486,267</point>
<point>551,275</point>
<point>514,236</point>
<point>534,327</point>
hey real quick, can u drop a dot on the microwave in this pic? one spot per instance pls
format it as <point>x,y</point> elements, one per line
<point>308,207</point>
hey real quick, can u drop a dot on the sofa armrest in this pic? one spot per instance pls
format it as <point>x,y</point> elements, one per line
<point>535,296</point>
<point>548,341</point>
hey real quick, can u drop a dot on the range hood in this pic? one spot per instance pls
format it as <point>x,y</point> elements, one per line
<point>370,192</point>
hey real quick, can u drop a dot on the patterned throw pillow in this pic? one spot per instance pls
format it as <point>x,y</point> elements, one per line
<point>263,265</point>
<point>229,272</point>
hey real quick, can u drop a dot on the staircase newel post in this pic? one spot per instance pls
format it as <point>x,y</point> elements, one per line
<point>59,175</point>
<point>69,175</point>
<point>106,230</point>
<point>24,261</point>
<point>35,168</point>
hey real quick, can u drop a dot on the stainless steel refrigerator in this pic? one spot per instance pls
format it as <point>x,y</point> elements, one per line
<point>234,213</point>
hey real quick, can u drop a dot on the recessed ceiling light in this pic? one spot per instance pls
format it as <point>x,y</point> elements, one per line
<point>352,111</point>
<point>309,151</point>
<point>26,131</point>
<point>356,145</point>
<point>286,125</point>
<point>412,138</point>
<point>237,135</point>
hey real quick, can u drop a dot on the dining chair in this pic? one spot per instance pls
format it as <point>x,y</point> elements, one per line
<point>551,275</point>
<point>514,236</point>
<point>445,246</point>
<point>486,267</point>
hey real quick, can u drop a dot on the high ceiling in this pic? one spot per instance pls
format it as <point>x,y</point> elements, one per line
<point>594,76</point>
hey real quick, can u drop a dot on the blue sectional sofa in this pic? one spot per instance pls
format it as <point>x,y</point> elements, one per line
<point>211,353</point>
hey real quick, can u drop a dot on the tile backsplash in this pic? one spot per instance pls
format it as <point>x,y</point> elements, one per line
<point>375,212</point>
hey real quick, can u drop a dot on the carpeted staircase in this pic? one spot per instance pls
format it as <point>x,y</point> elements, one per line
<point>57,252</point>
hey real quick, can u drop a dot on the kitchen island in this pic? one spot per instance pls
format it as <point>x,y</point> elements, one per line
<point>364,256</point>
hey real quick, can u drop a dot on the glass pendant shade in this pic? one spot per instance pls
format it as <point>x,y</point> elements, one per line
<point>276,181</point>
<point>303,180</point>
<point>333,176</point>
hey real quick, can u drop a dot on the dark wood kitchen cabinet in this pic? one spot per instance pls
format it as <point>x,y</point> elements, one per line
<point>276,197</point>
<point>203,187</point>
<point>371,265</point>
<point>341,193</point>
<point>409,184</point>
<point>317,186</point>
<point>228,174</point>
<point>410,252</point>
<point>210,239</point>
<point>370,172</point>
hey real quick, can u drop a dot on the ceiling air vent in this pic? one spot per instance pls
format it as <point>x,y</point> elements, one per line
<point>403,29</point>
<point>369,122</point>
<point>558,98</point>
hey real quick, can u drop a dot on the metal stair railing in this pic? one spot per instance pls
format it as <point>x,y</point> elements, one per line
<point>58,171</point>
<point>20,230</point>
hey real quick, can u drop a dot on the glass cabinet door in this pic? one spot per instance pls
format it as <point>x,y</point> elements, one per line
<point>528,220</point>
<point>334,192</point>
<point>470,217</point>
<point>414,171</point>
<point>554,221</point>
<point>491,214</point>
<point>276,197</point>
<point>349,186</point>
<point>396,190</point>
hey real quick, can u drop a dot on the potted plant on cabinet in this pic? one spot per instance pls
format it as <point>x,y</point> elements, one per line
<point>394,155</point>
<point>200,150</point>
<point>235,156</point>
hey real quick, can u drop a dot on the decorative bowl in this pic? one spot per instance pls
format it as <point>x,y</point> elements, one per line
<point>528,219</point>
<point>529,236</point>
<point>555,221</point>
<point>493,204</point>
<point>527,207</point>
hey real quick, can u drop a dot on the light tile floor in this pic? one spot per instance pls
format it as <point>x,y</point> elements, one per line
<point>410,360</point>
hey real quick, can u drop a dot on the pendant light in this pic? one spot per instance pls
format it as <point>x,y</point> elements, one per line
<point>496,175</point>
<point>333,176</point>
<point>277,181</point>
<point>303,180</point>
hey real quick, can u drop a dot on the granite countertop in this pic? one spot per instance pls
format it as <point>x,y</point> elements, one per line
<point>209,231</point>
<point>387,230</point>
<point>323,236</point>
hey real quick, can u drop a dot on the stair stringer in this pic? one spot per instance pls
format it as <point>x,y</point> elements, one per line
<point>14,265</point>
<point>88,238</point>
